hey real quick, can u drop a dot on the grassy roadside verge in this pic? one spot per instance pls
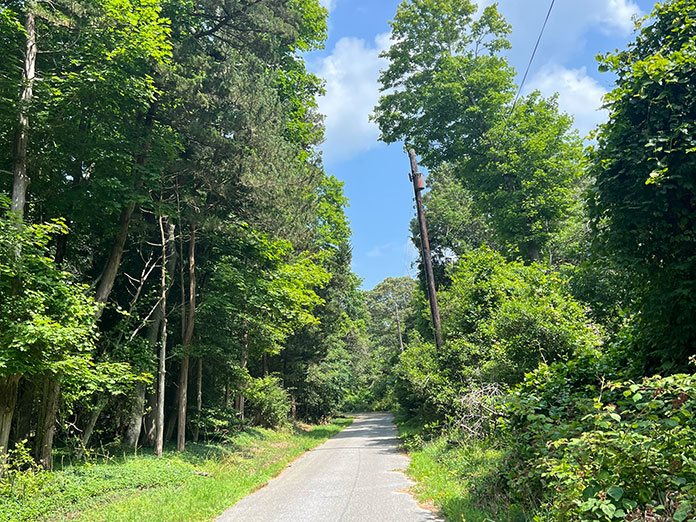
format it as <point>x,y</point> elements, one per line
<point>195,485</point>
<point>457,477</point>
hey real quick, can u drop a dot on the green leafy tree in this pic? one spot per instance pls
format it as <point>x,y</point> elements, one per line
<point>450,95</point>
<point>455,224</point>
<point>390,306</point>
<point>46,320</point>
<point>258,298</point>
<point>643,199</point>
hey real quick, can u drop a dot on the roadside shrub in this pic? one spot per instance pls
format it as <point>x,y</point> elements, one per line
<point>326,385</point>
<point>269,402</point>
<point>589,448</point>
<point>508,317</point>
<point>501,319</point>
<point>20,476</point>
<point>219,423</point>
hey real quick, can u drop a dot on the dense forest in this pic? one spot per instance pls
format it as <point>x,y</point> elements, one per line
<point>175,262</point>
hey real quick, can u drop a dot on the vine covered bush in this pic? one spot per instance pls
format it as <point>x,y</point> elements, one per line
<point>269,402</point>
<point>592,449</point>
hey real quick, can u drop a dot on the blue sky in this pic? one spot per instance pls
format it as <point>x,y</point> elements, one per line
<point>376,175</point>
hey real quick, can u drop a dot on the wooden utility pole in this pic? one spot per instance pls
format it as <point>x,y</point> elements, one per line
<point>418,185</point>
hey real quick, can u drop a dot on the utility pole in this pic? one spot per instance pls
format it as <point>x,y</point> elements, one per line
<point>418,185</point>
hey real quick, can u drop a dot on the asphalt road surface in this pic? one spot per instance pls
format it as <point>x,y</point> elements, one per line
<point>353,477</point>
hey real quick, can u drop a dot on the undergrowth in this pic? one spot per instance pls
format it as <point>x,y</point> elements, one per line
<point>456,475</point>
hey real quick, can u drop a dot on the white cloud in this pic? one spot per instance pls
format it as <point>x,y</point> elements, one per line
<point>618,14</point>
<point>351,72</point>
<point>569,17</point>
<point>380,250</point>
<point>579,94</point>
<point>328,4</point>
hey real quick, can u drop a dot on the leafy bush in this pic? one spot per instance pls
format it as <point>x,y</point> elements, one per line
<point>501,320</point>
<point>509,317</point>
<point>326,384</point>
<point>269,402</point>
<point>20,476</point>
<point>46,318</point>
<point>219,423</point>
<point>589,448</point>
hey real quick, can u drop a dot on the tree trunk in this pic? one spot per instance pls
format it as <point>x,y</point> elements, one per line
<point>159,414</point>
<point>89,429</point>
<point>244,361</point>
<point>148,419</point>
<point>240,405</point>
<point>48,410</point>
<point>398,327</point>
<point>8,400</point>
<point>24,416</point>
<point>149,424</point>
<point>533,251</point>
<point>108,276</point>
<point>265,365</point>
<point>135,422</point>
<point>21,178</point>
<point>186,341</point>
<point>168,259</point>
<point>61,247</point>
<point>9,383</point>
<point>199,398</point>
<point>137,417</point>
<point>183,396</point>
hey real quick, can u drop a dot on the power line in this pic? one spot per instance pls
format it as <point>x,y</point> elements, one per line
<point>531,59</point>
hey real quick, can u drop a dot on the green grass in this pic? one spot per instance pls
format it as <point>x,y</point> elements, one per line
<point>198,484</point>
<point>457,476</point>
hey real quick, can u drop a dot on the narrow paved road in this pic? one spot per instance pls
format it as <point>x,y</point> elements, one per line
<point>353,477</point>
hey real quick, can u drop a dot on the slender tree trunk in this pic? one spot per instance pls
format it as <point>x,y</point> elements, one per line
<point>148,420</point>
<point>398,327</point>
<point>244,361</point>
<point>108,276</point>
<point>265,365</point>
<point>21,177</point>
<point>159,415</point>
<point>9,383</point>
<point>172,420</point>
<point>62,247</point>
<point>199,398</point>
<point>188,337</point>
<point>167,258</point>
<point>227,394</point>
<point>43,445</point>
<point>93,418</point>
<point>8,400</point>
<point>135,422</point>
<point>183,396</point>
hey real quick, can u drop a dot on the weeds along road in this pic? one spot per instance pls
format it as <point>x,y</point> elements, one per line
<point>353,477</point>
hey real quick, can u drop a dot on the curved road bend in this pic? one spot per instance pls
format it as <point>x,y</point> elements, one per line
<point>352,477</point>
